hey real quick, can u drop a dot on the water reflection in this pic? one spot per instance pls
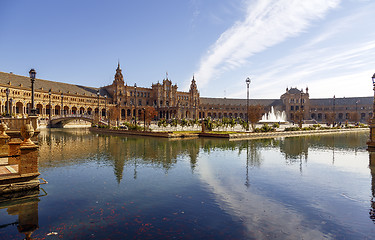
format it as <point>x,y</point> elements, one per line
<point>284,188</point>
<point>24,205</point>
<point>72,146</point>
<point>372,170</point>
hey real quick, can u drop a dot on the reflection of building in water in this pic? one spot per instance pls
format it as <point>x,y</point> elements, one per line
<point>27,211</point>
<point>71,147</point>
<point>372,170</point>
<point>294,148</point>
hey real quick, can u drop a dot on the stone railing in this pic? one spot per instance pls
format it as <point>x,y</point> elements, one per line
<point>15,124</point>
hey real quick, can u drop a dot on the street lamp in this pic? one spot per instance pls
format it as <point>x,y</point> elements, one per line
<point>248,81</point>
<point>144,119</point>
<point>62,104</point>
<point>371,142</point>
<point>105,106</point>
<point>7,92</point>
<point>98,94</point>
<point>10,107</point>
<point>50,106</point>
<point>301,111</point>
<point>334,110</point>
<point>135,104</point>
<point>32,74</point>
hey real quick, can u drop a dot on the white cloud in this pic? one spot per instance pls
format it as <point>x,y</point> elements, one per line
<point>267,23</point>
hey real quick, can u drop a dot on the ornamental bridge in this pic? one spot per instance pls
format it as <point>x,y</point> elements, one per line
<point>61,120</point>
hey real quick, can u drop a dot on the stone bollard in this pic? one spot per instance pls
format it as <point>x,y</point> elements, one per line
<point>28,160</point>
<point>29,152</point>
<point>14,151</point>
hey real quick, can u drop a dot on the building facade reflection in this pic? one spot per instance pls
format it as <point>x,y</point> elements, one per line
<point>71,146</point>
<point>25,206</point>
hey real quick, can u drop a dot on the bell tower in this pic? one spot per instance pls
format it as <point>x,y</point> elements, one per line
<point>118,85</point>
<point>194,97</point>
<point>119,78</point>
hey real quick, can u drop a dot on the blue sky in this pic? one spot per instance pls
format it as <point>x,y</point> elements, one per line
<point>326,45</point>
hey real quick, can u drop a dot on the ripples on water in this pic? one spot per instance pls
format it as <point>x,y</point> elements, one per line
<point>110,187</point>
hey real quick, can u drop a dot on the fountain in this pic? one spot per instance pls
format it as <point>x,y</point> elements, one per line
<point>274,117</point>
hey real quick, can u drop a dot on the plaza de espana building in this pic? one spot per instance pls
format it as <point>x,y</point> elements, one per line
<point>70,99</point>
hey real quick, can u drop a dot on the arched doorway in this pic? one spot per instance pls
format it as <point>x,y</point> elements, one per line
<point>66,110</point>
<point>74,110</point>
<point>57,110</point>
<point>39,109</point>
<point>19,108</point>
<point>48,109</point>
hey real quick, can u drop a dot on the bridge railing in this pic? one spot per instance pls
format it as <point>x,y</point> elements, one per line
<point>73,116</point>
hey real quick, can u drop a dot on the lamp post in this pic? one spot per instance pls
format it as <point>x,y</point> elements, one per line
<point>371,142</point>
<point>10,107</point>
<point>135,104</point>
<point>62,104</point>
<point>97,93</point>
<point>248,81</point>
<point>105,106</point>
<point>144,119</point>
<point>50,107</point>
<point>334,110</point>
<point>301,112</point>
<point>7,92</point>
<point>32,74</point>
<point>356,110</point>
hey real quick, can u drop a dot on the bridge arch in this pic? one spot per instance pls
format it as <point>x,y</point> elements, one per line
<point>61,120</point>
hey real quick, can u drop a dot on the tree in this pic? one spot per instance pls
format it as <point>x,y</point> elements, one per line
<point>330,118</point>
<point>255,114</point>
<point>173,122</point>
<point>299,117</point>
<point>354,117</point>
<point>150,112</point>
<point>225,122</point>
<point>114,114</point>
<point>232,123</point>
<point>183,123</point>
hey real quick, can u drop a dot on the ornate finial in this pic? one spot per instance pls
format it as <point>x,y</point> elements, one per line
<point>27,131</point>
<point>3,128</point>
<point>118,64</point>
<point>166,75</point>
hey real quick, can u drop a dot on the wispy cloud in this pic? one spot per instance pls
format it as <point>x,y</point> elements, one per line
<point>267,23</point>
<point>339,57</point>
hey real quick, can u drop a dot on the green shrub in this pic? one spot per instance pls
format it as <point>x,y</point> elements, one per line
<point>292,129</point>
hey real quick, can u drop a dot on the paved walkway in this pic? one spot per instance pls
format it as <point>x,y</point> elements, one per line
<point>6,169</point>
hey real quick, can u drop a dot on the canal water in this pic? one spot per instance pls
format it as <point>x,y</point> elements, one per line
<point>114,187</point>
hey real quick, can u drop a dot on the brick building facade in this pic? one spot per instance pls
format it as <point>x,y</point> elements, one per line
<point>166,99</point>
